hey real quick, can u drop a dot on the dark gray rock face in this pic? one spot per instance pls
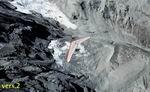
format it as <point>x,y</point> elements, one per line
<point>25,58</point>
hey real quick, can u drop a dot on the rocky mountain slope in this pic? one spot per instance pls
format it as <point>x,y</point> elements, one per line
<point>26,59</point>
<point>118,50</point>
<point>119,44</point>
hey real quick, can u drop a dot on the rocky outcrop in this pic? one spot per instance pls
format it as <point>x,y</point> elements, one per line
<point>25,57</point>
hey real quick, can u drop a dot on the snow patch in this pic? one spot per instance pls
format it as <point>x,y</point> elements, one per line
<point>45,8</point>
<point>58,51</point>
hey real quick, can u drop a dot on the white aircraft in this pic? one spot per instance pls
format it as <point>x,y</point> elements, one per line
<point>73,46</point>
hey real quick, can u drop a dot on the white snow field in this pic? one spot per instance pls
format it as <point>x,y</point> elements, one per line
<point>44,7</point>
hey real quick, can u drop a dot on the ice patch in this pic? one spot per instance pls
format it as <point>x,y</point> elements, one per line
<point>45,8</point>
<point>60,51</point>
